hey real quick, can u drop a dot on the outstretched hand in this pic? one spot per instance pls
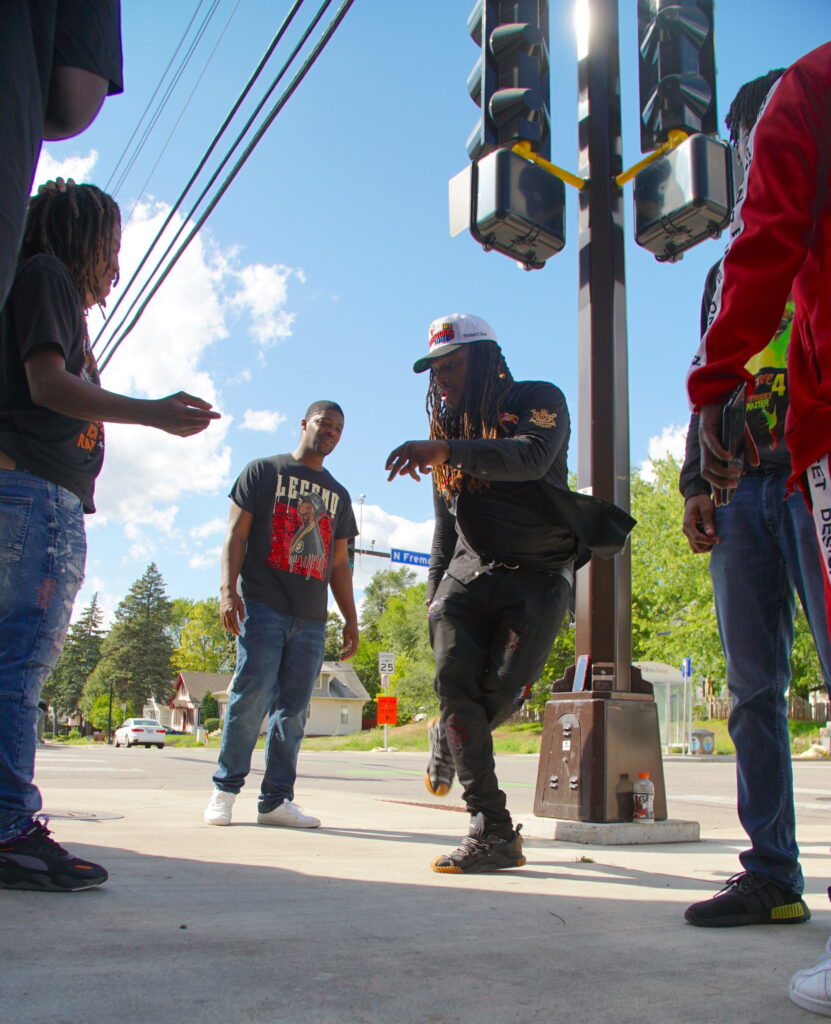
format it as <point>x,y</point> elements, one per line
<point>414,457</point>
<point>182,414</point>
<point>718,467</point>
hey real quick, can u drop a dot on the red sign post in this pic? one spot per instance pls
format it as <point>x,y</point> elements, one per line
<point>387,710</point>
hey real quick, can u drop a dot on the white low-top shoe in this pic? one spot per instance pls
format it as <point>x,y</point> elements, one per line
<point>811,987</point>
<point>288,815</point>
<point>218,811</point>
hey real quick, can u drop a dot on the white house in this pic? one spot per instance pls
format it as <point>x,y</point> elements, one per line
<point>335,708</point>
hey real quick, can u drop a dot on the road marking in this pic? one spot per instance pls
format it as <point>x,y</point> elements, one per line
<point>76,768</point>
<point>728,801</point>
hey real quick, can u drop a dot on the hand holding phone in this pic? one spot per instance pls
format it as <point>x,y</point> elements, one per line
<point>732,434</point>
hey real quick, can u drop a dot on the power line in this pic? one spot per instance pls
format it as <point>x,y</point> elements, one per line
<point>272,115</point>
<point>185,61</point>
<point>287,20</point>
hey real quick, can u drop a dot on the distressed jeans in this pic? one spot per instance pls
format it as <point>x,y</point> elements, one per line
<point>42,553</point>
<point>767,549</point>
<point>278,660</point>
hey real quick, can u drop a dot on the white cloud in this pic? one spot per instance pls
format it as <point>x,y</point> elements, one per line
<point>381,531</point>
<point>262,419</point>
<point>209,529</point>
<point>671,441</point>
<point>263,293</point>
<point>206,559</point>
<point>77,167</point>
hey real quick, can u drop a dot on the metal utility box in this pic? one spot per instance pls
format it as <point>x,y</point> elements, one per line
<point>594,746</point>
<point>511,205</point>
<point>684,197</point>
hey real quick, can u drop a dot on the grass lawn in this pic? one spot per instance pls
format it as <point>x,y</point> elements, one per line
<point>511,738</point>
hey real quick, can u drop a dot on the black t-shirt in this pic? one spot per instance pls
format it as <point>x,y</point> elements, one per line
<point>44,309</point>
<point>298,513</point>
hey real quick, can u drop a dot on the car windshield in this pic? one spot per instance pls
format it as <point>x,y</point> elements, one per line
<point>143,721</point>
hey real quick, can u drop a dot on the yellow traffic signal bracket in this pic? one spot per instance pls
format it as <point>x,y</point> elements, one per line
<point>675,136</point>
<point>524,149</point>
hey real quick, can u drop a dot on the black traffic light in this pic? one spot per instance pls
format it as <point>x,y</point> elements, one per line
<point>510,80</point>
<point>677,69</point>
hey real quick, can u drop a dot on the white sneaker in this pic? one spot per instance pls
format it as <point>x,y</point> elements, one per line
<point>218,811</point>
<point>288,815</point>
<point>811,988</point>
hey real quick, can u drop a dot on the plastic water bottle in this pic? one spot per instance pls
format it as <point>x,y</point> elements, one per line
<point>644,799</point>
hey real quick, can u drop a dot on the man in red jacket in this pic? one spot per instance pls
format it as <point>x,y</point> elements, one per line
<point>780,244</point>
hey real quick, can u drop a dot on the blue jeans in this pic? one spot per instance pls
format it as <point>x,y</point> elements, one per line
<point>42,553</point>
<point>278,660</point>
<point>768,547</point>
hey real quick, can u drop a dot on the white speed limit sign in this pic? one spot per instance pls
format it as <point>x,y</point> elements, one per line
<point>386,663</point>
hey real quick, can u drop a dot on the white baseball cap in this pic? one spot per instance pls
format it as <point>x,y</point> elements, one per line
<point>447,333</point>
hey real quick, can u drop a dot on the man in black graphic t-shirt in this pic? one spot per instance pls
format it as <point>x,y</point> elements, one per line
<point>288,529</point>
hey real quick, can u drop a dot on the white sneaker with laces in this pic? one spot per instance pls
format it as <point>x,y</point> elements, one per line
<point>288,815</point>
<point>811,987</point>
<point>218,811</point>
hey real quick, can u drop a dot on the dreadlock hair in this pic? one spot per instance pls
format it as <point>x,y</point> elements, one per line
<point>744,110</point>
<point>488,380</point>
<point>76,226</point>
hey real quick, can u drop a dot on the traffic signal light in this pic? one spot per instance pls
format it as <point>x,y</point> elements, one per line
<point>510,80</point>
<point>677,69</point>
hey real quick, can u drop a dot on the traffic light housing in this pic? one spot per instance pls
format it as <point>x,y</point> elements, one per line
<point>677,69</point>
<point>510,80</point>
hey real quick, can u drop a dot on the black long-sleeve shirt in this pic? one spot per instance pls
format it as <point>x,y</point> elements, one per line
<point>511,520</point>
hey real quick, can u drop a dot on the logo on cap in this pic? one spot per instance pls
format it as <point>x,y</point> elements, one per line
<point>443,336</point>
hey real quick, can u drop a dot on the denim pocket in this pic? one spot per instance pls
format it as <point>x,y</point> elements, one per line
<point>14,522</point>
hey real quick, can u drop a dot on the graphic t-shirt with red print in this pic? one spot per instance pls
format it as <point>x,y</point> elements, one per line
<point>298,513</point>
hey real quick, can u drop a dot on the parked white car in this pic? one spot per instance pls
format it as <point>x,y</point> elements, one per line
<point>144,731</point>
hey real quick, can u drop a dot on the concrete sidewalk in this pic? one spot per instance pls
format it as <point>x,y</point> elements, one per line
<point>349,924</point>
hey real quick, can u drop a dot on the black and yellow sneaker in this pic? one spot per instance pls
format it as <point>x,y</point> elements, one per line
<point>440,768</point>
<point>749,898</point>
<point>478,854</point>
<point>34,861</point>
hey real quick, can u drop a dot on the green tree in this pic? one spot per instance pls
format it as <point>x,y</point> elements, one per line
<point>79,657</point>
<point>384,584</point>
<point>210,706</point>
<point>99,712</point>
<point>333,642</point>
<point>402,628</point>
<point>203,645</point>
<point>135,656</point>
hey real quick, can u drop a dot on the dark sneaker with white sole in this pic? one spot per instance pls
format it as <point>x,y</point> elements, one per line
<point>440,768</point>
<point>482,853</point>
<point>34,861</point>
<point>749,898</point>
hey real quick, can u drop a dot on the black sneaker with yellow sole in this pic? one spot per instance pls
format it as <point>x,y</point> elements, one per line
<point>749,898</point>
<point>33,861</point>
<point>440,768</point>
<point>480,854</point>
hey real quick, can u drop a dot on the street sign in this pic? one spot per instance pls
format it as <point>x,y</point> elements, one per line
<point>386,662</point>
<point>387,710</point>
<point>409,557</point>
<point>686,666</point>
<point>385,681</point>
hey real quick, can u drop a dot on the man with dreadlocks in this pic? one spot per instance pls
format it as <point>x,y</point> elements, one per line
<point>762,547</point>
<point>501,565</point>
<point>51,450</point>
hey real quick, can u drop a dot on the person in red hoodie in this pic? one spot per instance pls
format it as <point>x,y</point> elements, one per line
<point>780,244</point>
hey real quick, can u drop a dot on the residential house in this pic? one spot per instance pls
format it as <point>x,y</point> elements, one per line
<point>190,689</point>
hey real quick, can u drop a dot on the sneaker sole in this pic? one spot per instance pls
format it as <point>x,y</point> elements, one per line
<point>821,1007</point>
<point>47,885</point>
<point>284,824</point>
<point>440,789</point>
<point>790,913</point>
<point>208,821</point>
<point>454,869</point>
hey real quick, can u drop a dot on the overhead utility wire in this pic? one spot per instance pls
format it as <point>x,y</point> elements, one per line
<point>182,113</point>
<point>155,93</point>
<point>298,78</point>
<point>113,343</point>
<point>168,93</point>
<point>240,99</point>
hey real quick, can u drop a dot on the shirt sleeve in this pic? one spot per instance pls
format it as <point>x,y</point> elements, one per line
<point>770,235</point>
<point>246,487</point>
<point>444,543</point>
<point>46,307</point>
<point>88,36</point>
<point>540,432</point>
<point>346,526</point>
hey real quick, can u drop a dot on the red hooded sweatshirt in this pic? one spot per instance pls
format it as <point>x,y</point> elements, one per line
<point>780,241</point>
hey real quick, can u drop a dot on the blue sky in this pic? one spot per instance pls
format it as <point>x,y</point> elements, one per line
<point>319,271</point>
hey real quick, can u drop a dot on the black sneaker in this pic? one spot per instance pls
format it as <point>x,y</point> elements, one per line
<point>749,898</point>
<point>34,861</point>
<point>477,855</point>
<point>440,769</point>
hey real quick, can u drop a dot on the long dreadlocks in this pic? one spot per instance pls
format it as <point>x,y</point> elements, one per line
<point>488,382</point>
<point>744,110</point>
<point>76,226</point>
